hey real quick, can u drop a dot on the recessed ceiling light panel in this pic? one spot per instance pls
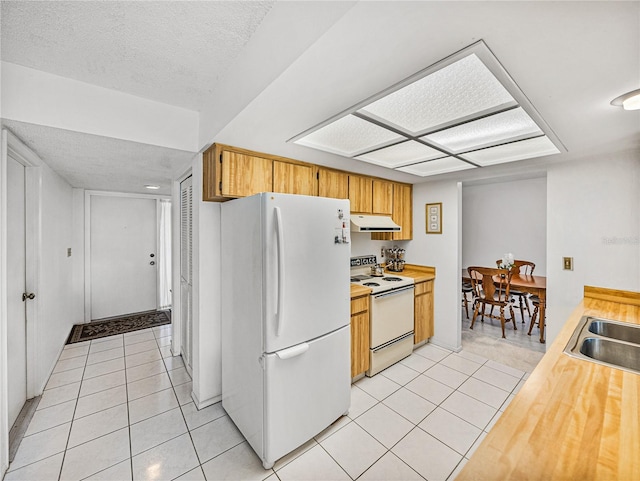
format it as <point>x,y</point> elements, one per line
<point>349,136</point>
<point>438,166</point>
<point>501,127</point>
<point>461,89</point>
<point>401,154</point>
<point>524,149</point>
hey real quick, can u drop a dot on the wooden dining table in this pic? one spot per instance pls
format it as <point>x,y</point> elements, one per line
<point>534,285</point>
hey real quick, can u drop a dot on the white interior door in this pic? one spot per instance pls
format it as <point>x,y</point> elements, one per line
<point>16,286</point>
<point>186,264</point>
<point>123,255</point>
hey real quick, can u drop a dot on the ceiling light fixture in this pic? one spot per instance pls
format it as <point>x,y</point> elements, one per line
<point>463,112</point>
<point>628,101</point>
<point>151,187</point>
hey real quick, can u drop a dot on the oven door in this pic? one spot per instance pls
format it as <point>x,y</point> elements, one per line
<point>391,315</point>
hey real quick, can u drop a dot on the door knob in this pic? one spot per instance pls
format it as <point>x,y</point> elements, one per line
<point>152,263</point>
<point>26,296</point>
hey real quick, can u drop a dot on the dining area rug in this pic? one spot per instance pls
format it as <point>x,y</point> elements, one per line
<point>118,325</point>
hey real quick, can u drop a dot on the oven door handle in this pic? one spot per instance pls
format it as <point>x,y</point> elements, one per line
<point>394,292</point>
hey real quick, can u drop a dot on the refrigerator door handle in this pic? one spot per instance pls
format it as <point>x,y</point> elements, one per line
<point>280,300</point>
<point>293,351</point>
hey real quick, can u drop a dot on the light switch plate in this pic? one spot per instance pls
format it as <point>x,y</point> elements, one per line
<point>68,251</point>
<point>567,263</point>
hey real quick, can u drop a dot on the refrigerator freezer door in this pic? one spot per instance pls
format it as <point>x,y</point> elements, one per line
<point>305,393</point>
<point>306,268</point>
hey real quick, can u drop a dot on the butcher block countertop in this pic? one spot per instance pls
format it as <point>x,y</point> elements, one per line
<point>419,273</point>
<point>358,290</point>
<point>572,419</point>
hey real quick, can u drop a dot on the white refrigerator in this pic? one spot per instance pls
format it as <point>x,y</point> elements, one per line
<point>285,318</point>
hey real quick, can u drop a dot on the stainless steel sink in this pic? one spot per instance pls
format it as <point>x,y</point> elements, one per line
<point>616,330</point>
<point>603,341</point>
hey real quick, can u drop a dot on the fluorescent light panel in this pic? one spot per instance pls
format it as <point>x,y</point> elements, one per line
<point>463,103</point>
<point>524,149</point>
<point>401,154</point>
<point>501,127</point>
<point>463,88</point>
<point>438,166</point>
<point>349,136</point>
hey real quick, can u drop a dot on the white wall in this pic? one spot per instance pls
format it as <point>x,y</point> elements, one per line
<point>443,251</point>
<point>593,216</point>
<point>501,217</point>
<point>77,257</point>
<point>56,285</point>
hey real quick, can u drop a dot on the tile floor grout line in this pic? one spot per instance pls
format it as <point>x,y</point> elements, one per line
<point>66,446</point>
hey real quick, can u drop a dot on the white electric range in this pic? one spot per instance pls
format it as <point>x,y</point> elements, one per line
<point>391,315</point>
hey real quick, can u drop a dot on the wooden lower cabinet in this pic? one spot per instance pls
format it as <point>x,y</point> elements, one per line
<point>423,311</point>
<point>359,335</point>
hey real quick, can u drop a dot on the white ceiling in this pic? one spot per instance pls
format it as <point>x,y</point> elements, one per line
<point>261,73</point>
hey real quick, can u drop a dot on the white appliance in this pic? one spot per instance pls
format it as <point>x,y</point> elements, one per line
<point>391,315</point>
<point>285,318</point>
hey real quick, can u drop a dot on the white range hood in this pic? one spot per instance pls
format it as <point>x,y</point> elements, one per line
<point>373,223</point>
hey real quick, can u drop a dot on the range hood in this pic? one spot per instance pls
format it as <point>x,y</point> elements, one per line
<point>373,223</point>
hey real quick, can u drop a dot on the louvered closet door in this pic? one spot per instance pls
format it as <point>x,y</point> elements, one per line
<point>186,269</point>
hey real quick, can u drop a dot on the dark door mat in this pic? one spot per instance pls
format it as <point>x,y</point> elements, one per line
<point>119,325</point>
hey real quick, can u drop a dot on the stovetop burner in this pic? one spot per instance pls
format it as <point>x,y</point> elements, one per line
<point>391,279</point>
<point>371,284</point>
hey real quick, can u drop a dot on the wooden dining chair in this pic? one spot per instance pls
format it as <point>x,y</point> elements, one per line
<point>491,288</point>
<point>524,268</point>
<point>467,288</point>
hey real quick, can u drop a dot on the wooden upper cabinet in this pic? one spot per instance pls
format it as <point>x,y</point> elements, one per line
<point>244,175</point>
<point>332,183</point>
<point>291,178</point>
<point>402,214</point>
<point>403,211</point>
<point>382,197</point>
<point>360,194</point>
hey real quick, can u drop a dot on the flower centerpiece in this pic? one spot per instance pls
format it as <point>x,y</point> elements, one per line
<point>507,261</point>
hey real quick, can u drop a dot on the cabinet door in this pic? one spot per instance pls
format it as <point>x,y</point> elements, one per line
<point>333,184</point>
<point>402,214</point>
<point>382,197</point>
<point>244,175</point>
<point>360,194</point>
<point>359,343</point>
<point>403,211</point>
<point>423,312</point>
<point>294,178</point>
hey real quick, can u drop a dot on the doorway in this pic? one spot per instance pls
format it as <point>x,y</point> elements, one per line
<point>20,253</point>
<point>123,249</point>
<point>16,287</point>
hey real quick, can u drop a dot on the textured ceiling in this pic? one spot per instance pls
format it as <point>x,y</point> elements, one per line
<point>98,163</point>
<point>261,73</point>
<point>173,52</point>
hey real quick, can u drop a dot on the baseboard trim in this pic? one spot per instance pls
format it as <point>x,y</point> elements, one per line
<point>206,402</point>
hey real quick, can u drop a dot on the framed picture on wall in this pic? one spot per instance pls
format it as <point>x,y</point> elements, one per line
<point>434,218</point>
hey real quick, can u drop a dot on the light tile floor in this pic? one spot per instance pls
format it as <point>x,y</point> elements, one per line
<point>119,408</point>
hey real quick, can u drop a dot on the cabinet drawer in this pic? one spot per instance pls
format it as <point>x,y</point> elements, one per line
<point>360,304</point>
<point>424,288</point>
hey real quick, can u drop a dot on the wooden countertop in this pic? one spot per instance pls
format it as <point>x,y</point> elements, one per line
<point>572,419</point>
<point>358,290</point>
<point>419,273</point>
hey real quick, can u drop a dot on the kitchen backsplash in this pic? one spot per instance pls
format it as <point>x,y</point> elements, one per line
<point>362,245</point>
